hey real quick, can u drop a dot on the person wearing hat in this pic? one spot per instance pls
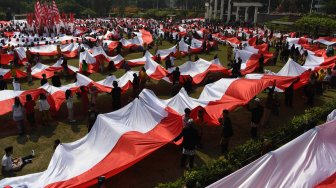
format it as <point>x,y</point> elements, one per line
<point>10,164</point>
<point>189,143</point>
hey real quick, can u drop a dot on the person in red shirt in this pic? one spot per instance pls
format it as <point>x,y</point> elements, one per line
<point>85,99</point>
<point>200,125</point>
<point>30,110</point>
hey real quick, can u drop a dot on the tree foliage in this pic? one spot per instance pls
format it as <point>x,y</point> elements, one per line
<point>330,6</point>
<point>316,23</point>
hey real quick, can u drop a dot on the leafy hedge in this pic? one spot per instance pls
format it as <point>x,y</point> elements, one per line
<point>252,149</point>
<point>315,23</point>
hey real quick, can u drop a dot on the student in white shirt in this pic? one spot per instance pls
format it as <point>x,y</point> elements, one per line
<point>10,164</point>
<point>69,104</point>
<point>44,108</point>
<point>172,59</point>
<point>16,85</point>
<point>18,114</point>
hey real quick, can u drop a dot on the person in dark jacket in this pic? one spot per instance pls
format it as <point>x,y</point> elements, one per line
<point>119,47</point>
<point>136,85</point>
<point>44,79</point>
<point>56,80</point>
<point>176,75</point>
<point>65,66</point>
<point>227,131</point>
<point>116,96</point>
<point>3,83</point>
<point>289,94</point>
<point>239,62</point>
<point>190,141</point>
<point>188,84</point>
<point>310,90</point>
<point>256,110</point>
<point>92,117</point>
<point>268,106</point>
<point>261,64</point>
<point>111,66</point>
<point>168,63</point>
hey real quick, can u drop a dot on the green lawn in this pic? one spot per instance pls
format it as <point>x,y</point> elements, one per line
<point>162,165</point>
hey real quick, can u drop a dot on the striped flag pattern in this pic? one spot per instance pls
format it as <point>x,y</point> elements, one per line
<point>55,12</point>
<point>38,11</point>
<point>46,15</point>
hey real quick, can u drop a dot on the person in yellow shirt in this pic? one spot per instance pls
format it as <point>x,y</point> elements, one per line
<point>321,75</point>
<point>143,78</point>
<point>320,78</point>
<point>12,69</point>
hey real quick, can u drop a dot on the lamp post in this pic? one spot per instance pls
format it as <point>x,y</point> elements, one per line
<point>206,10</point>
<point>311,6</point>
<point>269,6</point>
<point>229,12</point>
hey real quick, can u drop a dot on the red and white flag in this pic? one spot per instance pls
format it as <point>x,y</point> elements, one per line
<point>38,12</point>
<point>55,13</point>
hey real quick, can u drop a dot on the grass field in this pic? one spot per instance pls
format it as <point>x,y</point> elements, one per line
<point>162,165</point>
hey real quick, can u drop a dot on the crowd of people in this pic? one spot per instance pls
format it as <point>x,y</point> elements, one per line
<point>194,129</point>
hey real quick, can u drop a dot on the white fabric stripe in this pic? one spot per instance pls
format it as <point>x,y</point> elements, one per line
<point>142,115</point>
<point>4,71</point>
<point>122,81</point>
<point>150,65</point>
<point>313,61</point>
<point>39,67</point>
<point>291,68</point>
<point>193,68</point>
<point>44,49</point>
<point>9,94</point>
<point>216,90</point>
<point>165,52</point>
<point>303,162</point>
<point>244,55</point>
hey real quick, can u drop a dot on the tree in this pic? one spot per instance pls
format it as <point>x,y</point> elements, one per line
<point>330,7</point>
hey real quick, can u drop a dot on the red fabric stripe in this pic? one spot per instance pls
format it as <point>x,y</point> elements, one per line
<point>6,105</point>
<point>6,58</point>
<point>70,54</point>
<point>55,100</point>
<point>159,73</point>
<point>330,182</point>
<point>130,148</point>
<point>232,99</point>
<point>212,68</point>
